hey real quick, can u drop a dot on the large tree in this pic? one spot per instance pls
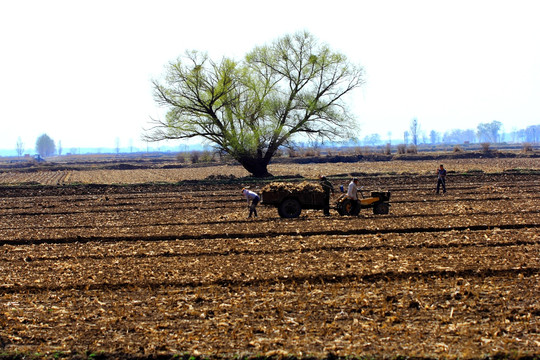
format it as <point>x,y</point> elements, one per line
<point>250,108</point>
<point>45,145</point>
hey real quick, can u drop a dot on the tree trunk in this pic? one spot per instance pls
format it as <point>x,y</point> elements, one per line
<point>257,167</point>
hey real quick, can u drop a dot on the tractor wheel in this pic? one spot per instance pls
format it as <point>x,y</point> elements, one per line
<point>381,209</point>
<point>290,208</point>
<point>346,207</point>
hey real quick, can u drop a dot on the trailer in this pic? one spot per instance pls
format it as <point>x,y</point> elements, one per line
<point>290,199</point>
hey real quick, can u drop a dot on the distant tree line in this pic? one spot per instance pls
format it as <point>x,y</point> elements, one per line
<point>45,146</point>
<point>491,132</point>
<point>530,134</point>
<point>487,133</point>
<point>484,133</point>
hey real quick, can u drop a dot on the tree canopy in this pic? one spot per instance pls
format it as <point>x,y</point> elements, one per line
<point>250,108</point>
<point>489,131</point>
<point>45,145</point>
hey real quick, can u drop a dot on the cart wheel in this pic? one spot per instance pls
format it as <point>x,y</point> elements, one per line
<point>339,205</point>
<point>290,208</point>
<point>381,209</point>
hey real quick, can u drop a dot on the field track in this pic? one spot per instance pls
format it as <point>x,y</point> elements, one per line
<point>147,269</point>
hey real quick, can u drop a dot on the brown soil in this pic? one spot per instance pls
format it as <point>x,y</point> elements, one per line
<point>149,269</point>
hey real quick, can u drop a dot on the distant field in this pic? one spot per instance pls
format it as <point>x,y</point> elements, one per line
<point>134,176</point>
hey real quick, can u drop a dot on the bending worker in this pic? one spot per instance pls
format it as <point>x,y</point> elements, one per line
<point>254,198</point>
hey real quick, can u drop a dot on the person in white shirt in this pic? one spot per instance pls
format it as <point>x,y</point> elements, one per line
<point>352,193</point>
<point>254,199</point>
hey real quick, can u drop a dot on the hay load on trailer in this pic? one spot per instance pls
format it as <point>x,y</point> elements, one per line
<point>291,198</point>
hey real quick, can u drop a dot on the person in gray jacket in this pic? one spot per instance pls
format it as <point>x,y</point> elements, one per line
<point>441,179</point>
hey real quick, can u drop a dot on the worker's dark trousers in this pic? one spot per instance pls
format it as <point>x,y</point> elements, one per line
<point>441,181</point>
<point>355,210</point>
<point>253,207</point>
<point>326,208</point>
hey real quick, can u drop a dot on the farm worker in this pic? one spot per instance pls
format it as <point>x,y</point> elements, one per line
<point>352,193</point>
<point>327,188</point>
<point>254,198</point>
<point>441,179</point>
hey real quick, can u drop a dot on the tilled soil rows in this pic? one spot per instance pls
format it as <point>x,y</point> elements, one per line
<point>150,269</point>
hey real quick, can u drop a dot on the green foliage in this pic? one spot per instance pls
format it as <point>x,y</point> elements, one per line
<point>248,109</point>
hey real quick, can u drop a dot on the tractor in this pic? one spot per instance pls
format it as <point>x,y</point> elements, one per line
<point>379,201</point>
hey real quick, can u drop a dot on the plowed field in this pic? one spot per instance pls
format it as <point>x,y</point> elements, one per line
<point>165,269</point>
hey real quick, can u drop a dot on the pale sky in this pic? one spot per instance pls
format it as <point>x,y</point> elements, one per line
<point>80,71</point>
